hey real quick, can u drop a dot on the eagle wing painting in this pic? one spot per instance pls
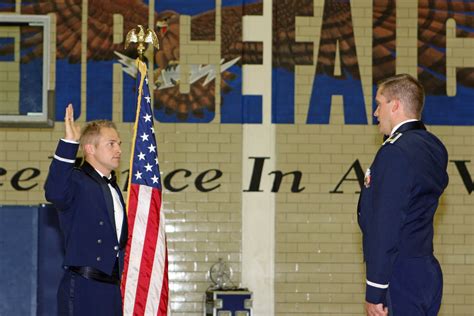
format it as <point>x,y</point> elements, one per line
<point>336,33</point>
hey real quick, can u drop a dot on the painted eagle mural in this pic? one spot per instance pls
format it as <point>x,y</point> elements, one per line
<point>336,33</point>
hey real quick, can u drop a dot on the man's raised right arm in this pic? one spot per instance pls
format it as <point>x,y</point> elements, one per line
<point>58,186</point>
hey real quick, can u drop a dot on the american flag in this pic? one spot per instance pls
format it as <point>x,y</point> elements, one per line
<point>145,276</point>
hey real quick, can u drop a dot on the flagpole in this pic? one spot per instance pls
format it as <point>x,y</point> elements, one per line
<point>141,66</point>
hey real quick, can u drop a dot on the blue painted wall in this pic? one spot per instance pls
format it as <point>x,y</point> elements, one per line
<point>30,260</point>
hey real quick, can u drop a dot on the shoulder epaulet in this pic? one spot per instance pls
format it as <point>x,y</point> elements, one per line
<point>392,139</point>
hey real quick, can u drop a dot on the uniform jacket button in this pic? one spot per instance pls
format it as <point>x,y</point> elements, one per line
<point>101,223</point>
<point>99,258</point>
<point>116,248</point>
<point>99,241</point>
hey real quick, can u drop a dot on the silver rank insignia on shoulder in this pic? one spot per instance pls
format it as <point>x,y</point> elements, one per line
<point>392,139</point>
<point>367,178</point>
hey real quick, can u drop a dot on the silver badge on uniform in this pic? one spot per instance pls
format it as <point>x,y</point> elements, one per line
<point>367,178</point>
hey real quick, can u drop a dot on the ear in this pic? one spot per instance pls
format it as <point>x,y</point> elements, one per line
<point>89,149</point>
<point>396,105</point>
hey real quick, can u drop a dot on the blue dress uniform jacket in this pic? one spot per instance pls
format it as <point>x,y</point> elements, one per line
<point>397,204</point>
<point>86,216</point>
<point>86,212</point>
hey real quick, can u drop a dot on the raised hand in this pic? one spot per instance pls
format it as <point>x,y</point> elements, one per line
<point>73,131</point>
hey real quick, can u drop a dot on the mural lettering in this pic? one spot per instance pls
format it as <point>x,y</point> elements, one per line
<point>359,177</point>
<point>337,68</point>
<point>345,81</point>
<point>256,177</point>
<point>20,177</point>
<point>465,175</point>
<point>207,180</point>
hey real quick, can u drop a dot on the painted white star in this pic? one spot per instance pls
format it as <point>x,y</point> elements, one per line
<point>152,130</point>
<point>154,179</point>
<point>144,137</point>
<point>141,156</point>
<point>148,99</point>
<point>156,160</point>
<point>148,167</point>
<point>138,175</point>
<point>152,148</point>
<point>147,118</point>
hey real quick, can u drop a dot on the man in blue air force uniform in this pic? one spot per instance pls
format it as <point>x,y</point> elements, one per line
<point>397,204</point>
<point>92,218</point>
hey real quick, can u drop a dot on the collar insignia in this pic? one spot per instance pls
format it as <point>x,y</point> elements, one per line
<point>393,138</point>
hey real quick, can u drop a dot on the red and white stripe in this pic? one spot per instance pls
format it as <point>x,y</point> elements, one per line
<point>145,277</point>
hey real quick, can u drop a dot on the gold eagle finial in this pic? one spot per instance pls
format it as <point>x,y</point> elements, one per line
<point>141,36</point>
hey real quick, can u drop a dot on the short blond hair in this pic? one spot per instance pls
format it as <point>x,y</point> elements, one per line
<point>405,88</point>
<point>91,132</point>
